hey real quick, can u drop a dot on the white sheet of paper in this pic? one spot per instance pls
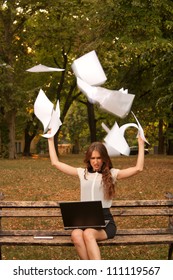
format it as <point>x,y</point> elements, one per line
<point>125,91</point>
<point>43,68</point>
<point>116,140</point>
<point>105,127</point>
<point>141,131</point>
<point>50,118</point>
<point>111,151</point>
<point>57,109</point>
<point>89,69</point>
<point>89,91</point>
<point>54,124</point>
<point>115,102</point>
<point>126,126</point>
<point>43,109</point>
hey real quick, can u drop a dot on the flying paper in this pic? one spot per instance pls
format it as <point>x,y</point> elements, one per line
<point>116,102</point>
<point>89,91</point>
<point>115,141</point>
<point>111,151</point>
<point>125,91</point>
<point>89,69</point>
<point>44,111</point>
<point>141,131</point>
<point>43,68</point>
<point>55,122</point>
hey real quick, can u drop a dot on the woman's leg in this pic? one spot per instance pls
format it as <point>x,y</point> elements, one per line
<point>91,236</point>
<point>85,243</point>
<point>79,243</point>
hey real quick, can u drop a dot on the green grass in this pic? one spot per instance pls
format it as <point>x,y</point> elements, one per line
<point>35,179</point>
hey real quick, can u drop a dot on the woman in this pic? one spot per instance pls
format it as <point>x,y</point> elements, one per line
<point>97,182</point>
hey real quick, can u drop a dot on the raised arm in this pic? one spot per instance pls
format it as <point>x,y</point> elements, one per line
<point>128,172</point>
<point>68,169</point>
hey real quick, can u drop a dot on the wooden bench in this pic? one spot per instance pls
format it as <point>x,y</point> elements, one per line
<point>159,232</point>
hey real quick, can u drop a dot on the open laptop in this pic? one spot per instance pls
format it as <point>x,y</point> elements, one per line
<point>82,214</point>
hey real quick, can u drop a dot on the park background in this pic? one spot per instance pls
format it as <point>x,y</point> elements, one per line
<point>133,40</point>
<point>34,179</point>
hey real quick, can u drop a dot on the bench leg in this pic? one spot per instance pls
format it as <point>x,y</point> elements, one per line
<point>1,198</point>
<point>0,245</point>
<point>170,251</point>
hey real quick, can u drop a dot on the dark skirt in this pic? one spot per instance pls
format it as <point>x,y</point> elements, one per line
<point>111,226</point>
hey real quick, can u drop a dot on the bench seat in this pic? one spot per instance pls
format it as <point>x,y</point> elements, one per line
<point>135,235</point>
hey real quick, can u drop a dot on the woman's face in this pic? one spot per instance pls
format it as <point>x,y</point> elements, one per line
<point>96,161</point>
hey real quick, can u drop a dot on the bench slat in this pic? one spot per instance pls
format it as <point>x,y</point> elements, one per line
<point>115,212</point>
<point>29,204</point>
<point>142,212</point>
<point>131,203</point>
<point>35,232</point>
<point>139,240</point>
<point>31,213</point>
<point>116,203</point>
<point>66,240</point>
<point>141,231</point>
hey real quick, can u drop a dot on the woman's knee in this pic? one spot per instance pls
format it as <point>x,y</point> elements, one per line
<point>77,236</point>
<point>96,235</point>
<point>89,235</point>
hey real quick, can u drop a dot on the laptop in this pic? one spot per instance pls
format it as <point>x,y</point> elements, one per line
<point>82,214</point>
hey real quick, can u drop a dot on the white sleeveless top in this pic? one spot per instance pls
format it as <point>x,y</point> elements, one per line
<point>91,188</point>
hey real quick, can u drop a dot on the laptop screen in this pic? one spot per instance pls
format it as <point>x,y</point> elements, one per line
<point>82,214</point>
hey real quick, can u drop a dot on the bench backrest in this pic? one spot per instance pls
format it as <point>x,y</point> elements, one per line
<point>119,208</point>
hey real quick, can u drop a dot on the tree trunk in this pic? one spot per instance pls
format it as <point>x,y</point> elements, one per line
<point>170,134</point>
<point>28,140</point>
<point>30,133</point>
<point>10,117</point>
<point>91,121</point>
<point>170,140</point>
<point>161,138</point>
<point>0,144</point>
<point>75,149</point>
<point>170,148</point>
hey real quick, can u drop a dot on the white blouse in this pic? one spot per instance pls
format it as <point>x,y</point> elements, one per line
<point>91,188</point>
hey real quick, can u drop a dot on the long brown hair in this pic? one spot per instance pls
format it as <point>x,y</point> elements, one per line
<point>109,186</point>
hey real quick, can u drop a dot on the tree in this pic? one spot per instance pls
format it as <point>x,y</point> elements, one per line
<point>143,41</point>
<point>132,40</point>
<point>70,16</point>
<point>13,50</point>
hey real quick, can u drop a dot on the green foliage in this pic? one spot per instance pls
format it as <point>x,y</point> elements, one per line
<point>42,146</point>
<point>133,40</point>
<point>75,127</point>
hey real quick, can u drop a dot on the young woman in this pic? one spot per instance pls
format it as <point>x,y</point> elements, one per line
<point>97,182</point>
